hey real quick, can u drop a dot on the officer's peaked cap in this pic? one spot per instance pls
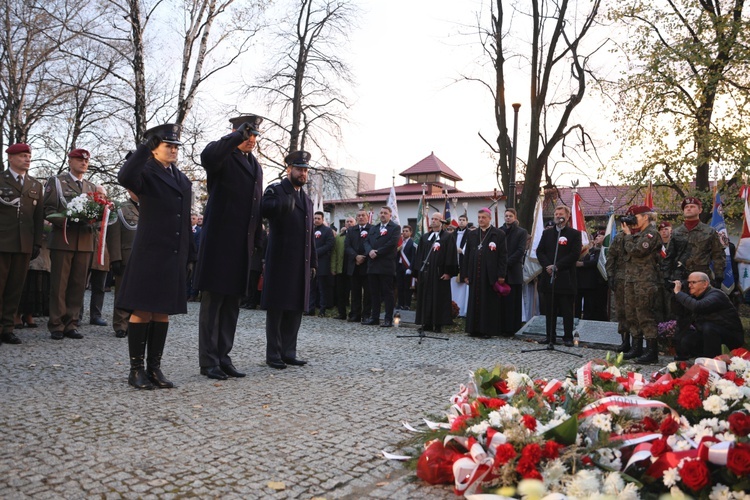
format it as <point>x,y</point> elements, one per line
<point>298,159</point>
<point>253,120</point>
<point>169,133</point>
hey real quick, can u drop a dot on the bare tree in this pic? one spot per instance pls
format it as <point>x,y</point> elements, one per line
<point>558,66</point>
<point>304,88</point>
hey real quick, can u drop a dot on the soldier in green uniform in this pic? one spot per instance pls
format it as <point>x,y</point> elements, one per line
<point>120,236</point>
<point>642,281</point>
<point>616,277</point>
<point>21,222</point>
<point>694,247</point>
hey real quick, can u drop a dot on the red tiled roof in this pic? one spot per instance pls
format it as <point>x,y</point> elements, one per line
<point>594,200</point>
<point>431,165</point>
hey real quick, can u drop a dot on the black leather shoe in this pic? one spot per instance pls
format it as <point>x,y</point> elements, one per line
<point>10,338</point>
<point>73,334</point>
<point>386,324</point>
<point>158,379</point>
<point>322,313</point>
<point>56,335</point>
<point>279,365</point>
<point>370,321</point>
<point>546,341</point>
<point>214,372</point>
<point>355,319</point>
<point>98,322</point>
<point>121,334</point>
<point>568,343</point>
<point>231,371</point>
<point>294,361</point>
<point>311,312</point>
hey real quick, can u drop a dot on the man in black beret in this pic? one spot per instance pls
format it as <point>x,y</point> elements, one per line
<point>291,260</point>
<point>230,234</point>
<point>21,222</point>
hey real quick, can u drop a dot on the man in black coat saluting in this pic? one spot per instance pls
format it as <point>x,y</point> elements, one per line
<point>231,231</point>
<point>558,252</point>
<point>291,260</point>
<point>380,245</point>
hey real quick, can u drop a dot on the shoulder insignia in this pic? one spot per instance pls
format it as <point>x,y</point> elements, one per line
<point>649,235</point>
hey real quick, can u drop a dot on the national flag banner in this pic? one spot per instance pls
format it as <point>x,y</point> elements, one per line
<point>371,217</point>
<point>744,191</point>
<point>609,235</point>
<point>531,266</point>
<point>649,200</point>
<point>391,203</point>
<point>717,222</point>
<point>447,216</point>
<point>418,231</point>
<point>578,222</point>
<point>742,255</point>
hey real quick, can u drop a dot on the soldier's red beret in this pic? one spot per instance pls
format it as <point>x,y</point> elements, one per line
<point>639,209</point>
<point>664,224</point>
<point>79,153</point>
<point>18,148</point>
<point>691,200</point>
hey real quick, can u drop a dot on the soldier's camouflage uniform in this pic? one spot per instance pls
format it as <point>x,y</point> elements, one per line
<point>642,281</point>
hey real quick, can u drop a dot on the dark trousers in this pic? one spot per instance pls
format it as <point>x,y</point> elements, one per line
<point>97,282</point>
<point>217,323</point>
<point>321,290</point>
<point>512,306</point>
<point>67,286</point>
<point>342,293</point>
<point>706,340</point>
<point>559,304</point>
<point>381,290</point>
<point>403,287</point>
<point>361,301</point>
<point>13,269</point>
<point>282,328</point>
<point>253,297</point>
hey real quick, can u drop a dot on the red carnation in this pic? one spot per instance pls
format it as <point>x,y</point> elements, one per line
<point>669,426</point>
<point>587,460</point>
<point>605,375</point>
<point>689,397</point>
<point>491,403</point>
<point>502,387</point>
<point>532,452</point>
<point>527,469</point>
<point>738,460</point>
<point>459,423</point>
<point>695,474</point>
<point>504,454</point>
<point>529,422</point>
<point>683,366</point>
<point>739,423</point>
<point>659,447</point>
<point>552,450</point>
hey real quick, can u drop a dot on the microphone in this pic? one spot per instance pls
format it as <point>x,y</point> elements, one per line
<point>560,221</point>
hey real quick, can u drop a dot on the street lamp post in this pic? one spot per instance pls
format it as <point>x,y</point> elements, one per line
<point>511,203</point>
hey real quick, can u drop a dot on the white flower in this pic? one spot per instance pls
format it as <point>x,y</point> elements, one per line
<point>584,484</point>
<point>610,457</point>
<point>613,484</point>
<point>671,477</point>
<point>672,367</point>
<point>677,494</point>
<point>531,489</point>
<point>720,492</point>
<point>727,389</point>
<point>602,421</point>
<point>479,429</point>
<point>554,472</point>
<point>614,371</point>
<point>615,410</point>
<point>715,404</point>
<point>516,380</point>
<point>630,492</point>
<point>726,436</point>
<point>677,443</point>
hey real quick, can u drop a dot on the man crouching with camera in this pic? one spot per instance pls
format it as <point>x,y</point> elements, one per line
<point>714,319</point>
<point>641,258</point>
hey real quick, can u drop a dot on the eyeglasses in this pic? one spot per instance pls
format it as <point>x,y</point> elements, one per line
<point>694,282</point>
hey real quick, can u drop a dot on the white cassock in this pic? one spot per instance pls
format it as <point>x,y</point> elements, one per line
<point>459,289</point>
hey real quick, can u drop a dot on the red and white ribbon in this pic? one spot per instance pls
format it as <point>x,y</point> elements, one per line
<point>583,374</point>
<point>623,402</point>
<point>551,387</point>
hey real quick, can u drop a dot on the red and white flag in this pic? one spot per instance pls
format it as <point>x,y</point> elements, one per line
<point>743,251</point>
<point>578,222</point>
<point>649,200</point>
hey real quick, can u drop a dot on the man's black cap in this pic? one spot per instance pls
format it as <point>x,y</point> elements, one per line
<point>253,120</point>
<point>299,159</point>
<point>169,133</point>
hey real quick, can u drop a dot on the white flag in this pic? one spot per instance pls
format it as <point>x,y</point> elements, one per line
<point>531,266</point>
<point>393,206</point>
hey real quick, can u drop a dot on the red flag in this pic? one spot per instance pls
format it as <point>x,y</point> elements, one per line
<point>649,200</point>
<point>578,221</point>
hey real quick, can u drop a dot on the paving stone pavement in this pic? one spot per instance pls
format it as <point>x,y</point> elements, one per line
<point>73,428</point>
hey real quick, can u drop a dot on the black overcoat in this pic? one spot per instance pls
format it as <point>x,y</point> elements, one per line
<point>291,248</point>
<point>515,241</point>
<point>232,222</point>
<point>354,245</point>
<point>324,241</point>
<point>433,294</point>
<point>484,265</point>
<point>156,275</point>
<point>385,242</point>
<point>568,252</point>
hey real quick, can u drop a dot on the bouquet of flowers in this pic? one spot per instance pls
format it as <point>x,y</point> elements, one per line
<point>602,431</point>
<point>89,208</point>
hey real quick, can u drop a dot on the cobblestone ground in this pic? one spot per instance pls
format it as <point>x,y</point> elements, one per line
<point>73,428</point>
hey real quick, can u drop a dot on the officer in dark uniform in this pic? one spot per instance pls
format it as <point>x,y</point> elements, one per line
<point>230,234</point>
<point>70,260</point>
<point>120,237</point>
<point>290,261</point>
<point>21,222</point>
<point>154,284</point>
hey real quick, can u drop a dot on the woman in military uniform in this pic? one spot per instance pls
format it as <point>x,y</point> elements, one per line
<point>154,282</point>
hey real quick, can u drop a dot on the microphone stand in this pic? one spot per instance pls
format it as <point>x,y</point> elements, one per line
<point>420,283</point>
<point>551,313</point>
